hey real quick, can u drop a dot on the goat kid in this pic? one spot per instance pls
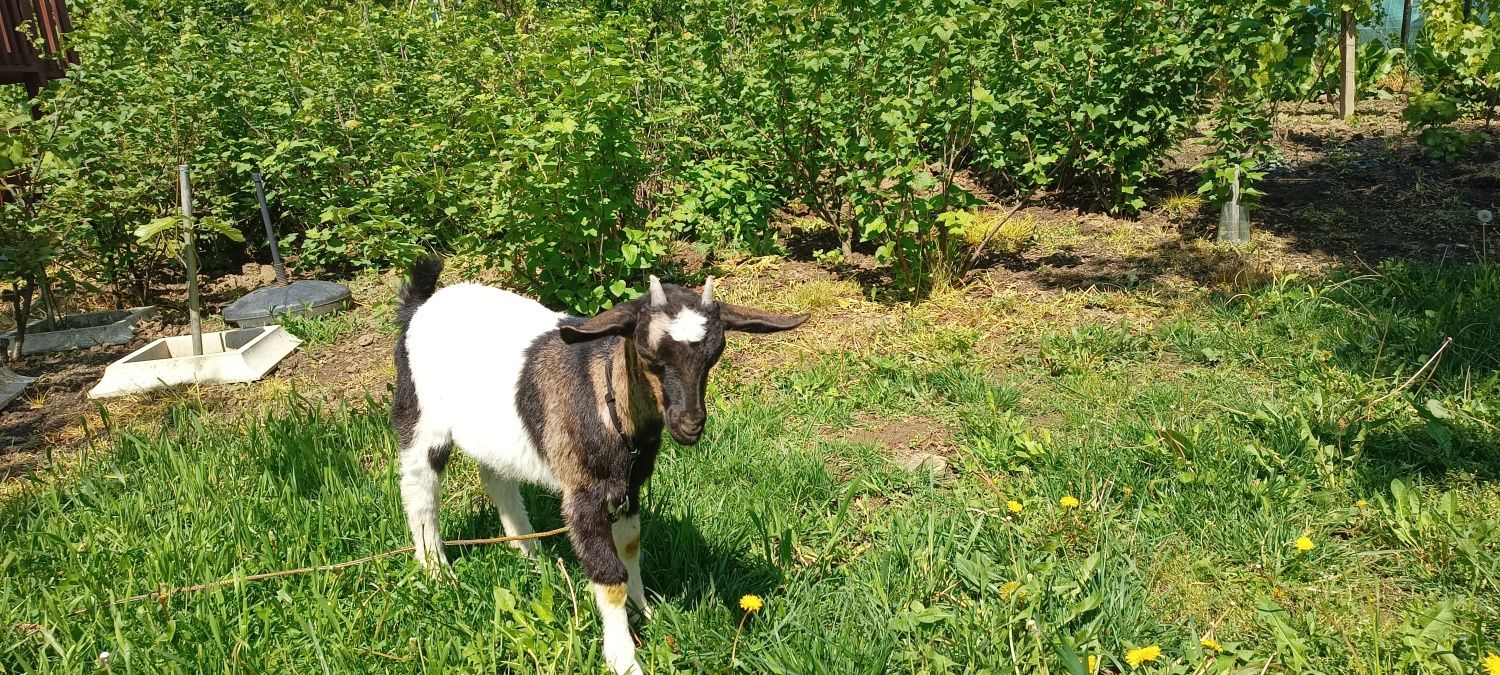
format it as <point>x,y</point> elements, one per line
<point>573,405</point>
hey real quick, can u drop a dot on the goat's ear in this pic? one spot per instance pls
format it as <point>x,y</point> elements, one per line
<point>751,320</point>
<point>620,320</point>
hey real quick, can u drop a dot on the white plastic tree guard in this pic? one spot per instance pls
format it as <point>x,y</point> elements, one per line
<point>11,386</point>
<point>80,331</point>
<point>231,356</point>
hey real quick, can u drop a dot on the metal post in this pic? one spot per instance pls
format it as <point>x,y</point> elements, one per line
<point>265,217</point>
<point>190,257</point>
<point>1406,24</point>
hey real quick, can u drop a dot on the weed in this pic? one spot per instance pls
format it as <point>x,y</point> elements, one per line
<point>1181,207</point>
<point>320,331</point>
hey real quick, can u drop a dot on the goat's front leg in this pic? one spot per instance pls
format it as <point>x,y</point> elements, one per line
<point>627,534</point>
<point>587,514</point>
<point>421,481</point>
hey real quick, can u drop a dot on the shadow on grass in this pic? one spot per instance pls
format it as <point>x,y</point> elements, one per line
<point>1435,452</point>
<point>678,563</point>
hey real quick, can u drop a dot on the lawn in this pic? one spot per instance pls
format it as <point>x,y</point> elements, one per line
<point>1257,479</point>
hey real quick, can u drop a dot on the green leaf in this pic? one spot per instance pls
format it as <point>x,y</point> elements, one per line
<point>222,228</point>
<point>146,232</point>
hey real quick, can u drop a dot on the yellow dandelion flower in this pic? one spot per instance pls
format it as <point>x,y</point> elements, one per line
<point>1304,544</point>
<point>1136,657</point>
<point>1069,502</point>
<point>1128,491</point>
<point>1013,506</point>
<point>1492,664</point>
<point>751,603</point>
<point>1211,644</point>
<point>1361,504</point>
<point>1009,588</point>
<point>1093,663</point>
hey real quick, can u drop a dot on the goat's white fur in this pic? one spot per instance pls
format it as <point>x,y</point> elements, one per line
<point>626,531</point>
<point>688,326</point>
<point>619,648</point>
<point>467,347</point>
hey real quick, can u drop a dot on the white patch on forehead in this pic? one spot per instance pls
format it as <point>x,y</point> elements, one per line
<point>688,326</point>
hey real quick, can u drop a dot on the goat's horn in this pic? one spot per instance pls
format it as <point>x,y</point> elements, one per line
<point>658,296</point>
<point>708,292</point>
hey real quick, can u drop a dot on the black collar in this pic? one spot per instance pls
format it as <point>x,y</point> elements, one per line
<point>614,420</point>
<point>609,400</point>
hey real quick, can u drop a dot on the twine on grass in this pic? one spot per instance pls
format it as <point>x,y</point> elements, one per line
<point>163,594</point>
<point>1430,362</point>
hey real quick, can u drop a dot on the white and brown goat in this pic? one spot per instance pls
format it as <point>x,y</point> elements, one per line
<point>571,404</point>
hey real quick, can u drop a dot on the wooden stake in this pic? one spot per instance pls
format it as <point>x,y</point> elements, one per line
<point>1348,49</point>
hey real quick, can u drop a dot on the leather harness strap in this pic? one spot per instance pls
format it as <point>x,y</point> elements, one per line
<point>614,420</point>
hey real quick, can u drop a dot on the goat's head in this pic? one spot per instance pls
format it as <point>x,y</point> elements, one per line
<point>679,335</point>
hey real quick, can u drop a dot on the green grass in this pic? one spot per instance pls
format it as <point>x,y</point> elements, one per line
<point>317,332</point>
<point>1201,448</point>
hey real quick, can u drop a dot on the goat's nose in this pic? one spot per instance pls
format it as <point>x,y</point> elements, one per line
<point>693,422</point>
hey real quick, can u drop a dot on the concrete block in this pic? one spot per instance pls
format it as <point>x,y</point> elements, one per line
<point>11,386</point>
<point>81,331</point>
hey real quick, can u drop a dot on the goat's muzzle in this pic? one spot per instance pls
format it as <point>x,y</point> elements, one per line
<point>687,428</point>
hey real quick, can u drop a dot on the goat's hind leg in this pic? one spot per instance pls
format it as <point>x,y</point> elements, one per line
<point>422,462</point>
<point>506,494</point>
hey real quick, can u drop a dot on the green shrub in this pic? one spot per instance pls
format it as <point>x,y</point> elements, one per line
<point>383,133</point>
<point>722,203</point>
<point>866,111</point>
<point>1458,60</point>
<point>568,143</point>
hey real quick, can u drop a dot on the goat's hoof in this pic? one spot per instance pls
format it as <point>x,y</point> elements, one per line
<point>436,567</point>
<point>621,656</point>
<point>626,667</point>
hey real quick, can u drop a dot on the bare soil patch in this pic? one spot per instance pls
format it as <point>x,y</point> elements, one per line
<point>901,435</point>
<point>914,443</point>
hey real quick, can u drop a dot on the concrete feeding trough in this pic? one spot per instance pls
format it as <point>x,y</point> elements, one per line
<point>243,355</point>
<point>298,298</point>
<point>80,331</point>
<point>11,386</point>
<point>222,357</point>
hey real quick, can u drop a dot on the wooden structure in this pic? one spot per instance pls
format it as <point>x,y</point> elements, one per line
<point>32,50</point>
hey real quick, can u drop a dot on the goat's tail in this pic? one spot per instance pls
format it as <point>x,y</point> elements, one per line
<point>421,284</point>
